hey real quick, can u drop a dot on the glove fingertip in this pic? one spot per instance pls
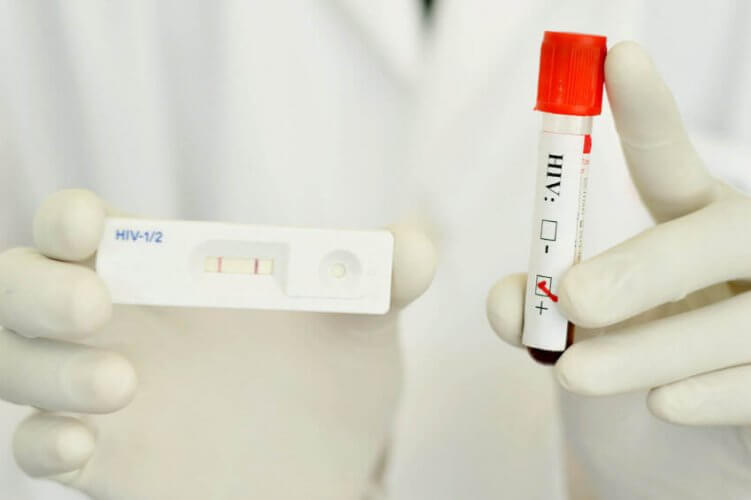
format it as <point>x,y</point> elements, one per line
<point>68,225</point>
<point>672,404</point>
<point>585,369</point>
<point>572,300</point>
<point>101,382</point>
<point>90,305</point>
<point>626,62</point>
<point>47,445</point>
<point>505,308</point>
<point>414,264</point>
<point>74,445</point>
<point>586,291</point>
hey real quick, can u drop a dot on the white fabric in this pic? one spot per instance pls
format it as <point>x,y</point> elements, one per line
<point>303,113</point>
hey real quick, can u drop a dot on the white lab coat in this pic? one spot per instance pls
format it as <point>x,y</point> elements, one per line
<point>344,113</point>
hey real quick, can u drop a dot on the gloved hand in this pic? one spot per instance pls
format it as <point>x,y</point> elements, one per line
<point>666,310</point>
<point>173,403</point>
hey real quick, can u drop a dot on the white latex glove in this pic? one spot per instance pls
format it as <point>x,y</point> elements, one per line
<point>175,403</point>
<point>665,310</point>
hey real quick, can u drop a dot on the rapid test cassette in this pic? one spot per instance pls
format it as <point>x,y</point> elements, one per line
<point>213,264</point>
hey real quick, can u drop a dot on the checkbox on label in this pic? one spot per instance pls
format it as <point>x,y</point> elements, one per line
<point>547,282</point>
<point>548,230</point>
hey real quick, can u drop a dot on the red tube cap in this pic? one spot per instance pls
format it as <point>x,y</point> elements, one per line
<point>571,73</point>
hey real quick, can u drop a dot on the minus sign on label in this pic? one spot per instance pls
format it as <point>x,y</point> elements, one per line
<point>547,248</point>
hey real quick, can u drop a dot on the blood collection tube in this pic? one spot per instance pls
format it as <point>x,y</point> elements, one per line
<point>569,94</point>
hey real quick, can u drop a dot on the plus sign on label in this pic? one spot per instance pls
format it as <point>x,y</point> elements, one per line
<point>541,307</point>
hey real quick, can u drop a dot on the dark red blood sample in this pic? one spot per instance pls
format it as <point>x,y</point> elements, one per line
<point>550,357</point>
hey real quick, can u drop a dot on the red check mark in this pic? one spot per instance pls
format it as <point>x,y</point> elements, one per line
<point>541,285</point>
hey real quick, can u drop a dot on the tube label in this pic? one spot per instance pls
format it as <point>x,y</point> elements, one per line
<point>562,168</point>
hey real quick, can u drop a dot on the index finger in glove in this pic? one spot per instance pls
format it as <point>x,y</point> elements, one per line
<point>668,172</point>
<point>660,265</point>
<point>660,352</point>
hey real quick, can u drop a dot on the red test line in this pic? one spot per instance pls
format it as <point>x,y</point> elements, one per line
<point>541,286</point>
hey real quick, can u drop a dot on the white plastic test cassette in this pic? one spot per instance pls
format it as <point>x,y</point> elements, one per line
<point>213,264</point>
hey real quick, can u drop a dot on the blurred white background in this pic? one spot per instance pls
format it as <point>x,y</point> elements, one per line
<point>354,113</point>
